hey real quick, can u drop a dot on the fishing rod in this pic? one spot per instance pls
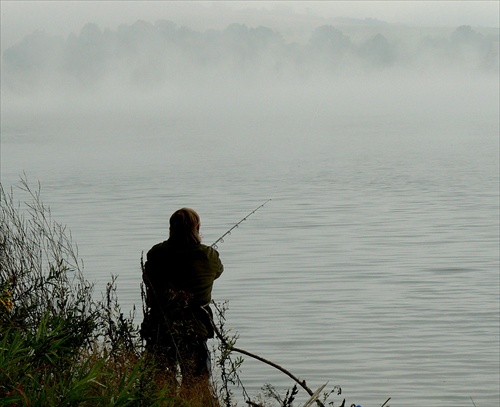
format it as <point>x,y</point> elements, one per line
<point>221,239</point>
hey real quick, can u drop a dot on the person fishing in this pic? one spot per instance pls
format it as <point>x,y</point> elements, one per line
<point>178,276</point>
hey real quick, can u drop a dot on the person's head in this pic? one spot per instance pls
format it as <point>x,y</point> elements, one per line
<point>185,226</point>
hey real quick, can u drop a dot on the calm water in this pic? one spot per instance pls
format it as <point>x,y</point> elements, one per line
<point>374,267</point>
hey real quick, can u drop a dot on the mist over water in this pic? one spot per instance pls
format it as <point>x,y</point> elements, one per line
<point>242,83</point>
<point>375,266</point>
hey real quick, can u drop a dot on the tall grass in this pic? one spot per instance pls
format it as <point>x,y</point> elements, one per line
<point>59,346</point>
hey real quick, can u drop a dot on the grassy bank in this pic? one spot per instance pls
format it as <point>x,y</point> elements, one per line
<point>59,346</point>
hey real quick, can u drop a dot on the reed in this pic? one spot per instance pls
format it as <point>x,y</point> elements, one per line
<point>59,346</point>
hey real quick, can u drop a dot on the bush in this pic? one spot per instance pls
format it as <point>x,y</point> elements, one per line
<point>61,347</point>
<point>58,345</point>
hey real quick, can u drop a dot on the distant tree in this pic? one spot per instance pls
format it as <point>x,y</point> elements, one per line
<point>85,56</point>
<point>469,47</point>
<point>330,40</point>
<point>466,35</point>
<point>138,38</point>
<point>327,47</point>
<point>143,50</point>
<point>33,61</point>
<point>165,26</point>
<point>378,51</point>
<point>249,49</point>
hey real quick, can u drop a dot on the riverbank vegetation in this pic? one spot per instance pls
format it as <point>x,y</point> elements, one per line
<point>59,346</point>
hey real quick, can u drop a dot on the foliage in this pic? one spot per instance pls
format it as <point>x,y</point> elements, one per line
<point>59,346</point>
<point>228,367</point>
<point>180,53</point>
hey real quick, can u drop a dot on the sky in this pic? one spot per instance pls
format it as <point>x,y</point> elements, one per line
<point>19,18</point>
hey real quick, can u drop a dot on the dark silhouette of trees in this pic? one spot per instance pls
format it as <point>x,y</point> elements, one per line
<point>32,62</point>
<point>330,40</point>
<point>328,45</point>
<point>85,56</point>
<point>146,54</point>
<point>378,51</point>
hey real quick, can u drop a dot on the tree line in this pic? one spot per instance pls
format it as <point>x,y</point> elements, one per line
<point>149,54</point>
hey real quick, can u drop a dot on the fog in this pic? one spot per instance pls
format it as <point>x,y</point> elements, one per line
<point>277,73</point>
<point>20,18</point>
<point>161,56</point>
<point>373,126</point>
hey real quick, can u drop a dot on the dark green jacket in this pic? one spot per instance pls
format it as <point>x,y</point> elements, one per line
<point>190,269</point>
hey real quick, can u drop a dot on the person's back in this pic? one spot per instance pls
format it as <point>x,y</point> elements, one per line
<point>190,268</point>
<point>178,276</point>
<point>175,268</point>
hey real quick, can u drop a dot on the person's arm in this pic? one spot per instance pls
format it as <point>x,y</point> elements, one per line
<point>218,264</point>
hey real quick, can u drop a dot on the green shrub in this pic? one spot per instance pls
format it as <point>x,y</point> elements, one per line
<point>59,346</point>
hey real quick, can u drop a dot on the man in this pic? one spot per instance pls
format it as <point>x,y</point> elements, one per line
<point>178,276</point>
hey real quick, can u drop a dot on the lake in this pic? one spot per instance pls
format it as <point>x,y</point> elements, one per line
<point>375,266</point>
